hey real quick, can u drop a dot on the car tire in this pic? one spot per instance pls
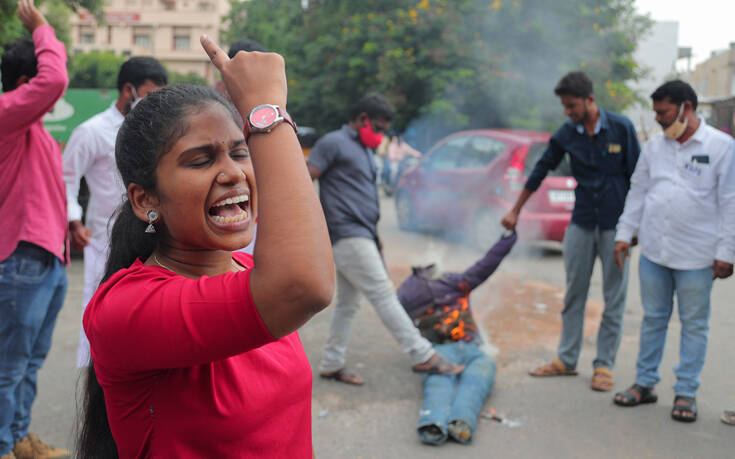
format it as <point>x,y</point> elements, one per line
<point>486,229</point>
<point>405,213</point>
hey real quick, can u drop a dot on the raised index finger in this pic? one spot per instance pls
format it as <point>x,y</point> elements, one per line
<point>218,57</point>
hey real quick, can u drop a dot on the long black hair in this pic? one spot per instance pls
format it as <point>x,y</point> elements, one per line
<point>149,131</point>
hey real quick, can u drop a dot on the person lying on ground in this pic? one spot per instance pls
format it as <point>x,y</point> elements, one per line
<point>440,308</point>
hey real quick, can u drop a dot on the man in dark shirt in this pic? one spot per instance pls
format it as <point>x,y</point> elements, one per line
<point>343,162</point>
<point>603,148</point>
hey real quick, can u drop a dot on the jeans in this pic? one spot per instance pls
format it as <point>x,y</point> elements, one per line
<point>692,287</point>
<point>360,270</point>
<point>460,397</point>
<point>581,248</point>
<point>32,289</point>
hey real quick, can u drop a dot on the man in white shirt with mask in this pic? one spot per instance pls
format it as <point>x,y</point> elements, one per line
<point>681,205</point>
<point>90,153</point>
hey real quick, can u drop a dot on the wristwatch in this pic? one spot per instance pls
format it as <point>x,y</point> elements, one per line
<point>264,118</point>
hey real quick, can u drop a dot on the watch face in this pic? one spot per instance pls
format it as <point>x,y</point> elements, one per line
<point>263,116</point>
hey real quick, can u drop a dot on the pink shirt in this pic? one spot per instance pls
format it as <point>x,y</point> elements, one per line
<point>32,196</point>
<point>189,370</point>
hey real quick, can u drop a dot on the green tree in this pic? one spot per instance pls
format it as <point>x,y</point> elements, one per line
<point>188,78</point>
<point>95,69</point>
<point>57,13</point>
<point>447,65</point>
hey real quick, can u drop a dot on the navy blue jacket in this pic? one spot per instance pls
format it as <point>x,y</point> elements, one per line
<point>602,164</point>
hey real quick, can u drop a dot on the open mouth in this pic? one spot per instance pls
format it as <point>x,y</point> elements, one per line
<point>230,210</point>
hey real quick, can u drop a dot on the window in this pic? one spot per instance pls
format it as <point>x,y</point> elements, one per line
<point>142,37</point>
<point>205,6</point>
<point>182,39</point>
<point>446,156</point>
<point>480,152</point>
<point>86,36</point>
<point>143,41</point>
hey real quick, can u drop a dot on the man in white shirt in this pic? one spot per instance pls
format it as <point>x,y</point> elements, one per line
<point>681,205</point>
<point>90,153</point>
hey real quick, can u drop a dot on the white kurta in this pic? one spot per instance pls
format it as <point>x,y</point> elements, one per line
<point>90,153</point>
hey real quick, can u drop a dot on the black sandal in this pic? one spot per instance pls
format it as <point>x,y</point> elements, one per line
<point>692,408</point>
<point>629,398</point>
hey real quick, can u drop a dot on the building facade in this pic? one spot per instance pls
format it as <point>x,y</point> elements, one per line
<point>715,77</point>
<point>168,30</point>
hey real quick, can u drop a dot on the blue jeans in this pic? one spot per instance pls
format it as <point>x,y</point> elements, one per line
<point>581,249</point>
<point>32,289</point>
<point>692,287</point>
<point>460,397</point>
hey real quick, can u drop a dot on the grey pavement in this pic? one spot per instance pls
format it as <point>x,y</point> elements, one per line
<point>554,418</point>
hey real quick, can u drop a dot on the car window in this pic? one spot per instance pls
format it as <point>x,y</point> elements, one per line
<point>446,156</point>
<point>481,151</point>
<point>534,154</point>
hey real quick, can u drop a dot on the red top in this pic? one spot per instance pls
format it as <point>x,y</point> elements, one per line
<point>32,194</point>
<point>189,370</point>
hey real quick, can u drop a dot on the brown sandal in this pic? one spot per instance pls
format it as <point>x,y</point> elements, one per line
<point>344,376</point>
<point>555,368</point>
<point>438,365</point>
<point>602,379</point>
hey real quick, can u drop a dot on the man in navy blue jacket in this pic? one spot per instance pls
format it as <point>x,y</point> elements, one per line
<point>603,149</point>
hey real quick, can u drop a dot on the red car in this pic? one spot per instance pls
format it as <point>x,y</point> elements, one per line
<point>469,180</point>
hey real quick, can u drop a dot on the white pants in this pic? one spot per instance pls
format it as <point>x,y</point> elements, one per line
<point>360,271</point>
<point>95,256</point>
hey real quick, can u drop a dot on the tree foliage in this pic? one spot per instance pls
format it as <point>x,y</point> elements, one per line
<point>94,69</point>
<point>57,13</point>
<point>99,69</point>
<point>446,64</point>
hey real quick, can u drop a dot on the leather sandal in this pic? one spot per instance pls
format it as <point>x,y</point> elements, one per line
<point>629,398</point>
<point>344,376</point>
<point>555,368</point>
<point>438,365</point>
<point>602,379</point>
<point>691,408</point>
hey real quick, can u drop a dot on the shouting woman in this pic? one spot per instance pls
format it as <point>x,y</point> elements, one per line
<point>194,348</point>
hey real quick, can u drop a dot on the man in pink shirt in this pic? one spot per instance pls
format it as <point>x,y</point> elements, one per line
<point>32,241</point>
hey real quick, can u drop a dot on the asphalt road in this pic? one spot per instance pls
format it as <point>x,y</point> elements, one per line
<point>518,307</point>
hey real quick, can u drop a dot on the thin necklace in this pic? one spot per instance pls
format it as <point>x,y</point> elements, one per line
<point>234,265</point>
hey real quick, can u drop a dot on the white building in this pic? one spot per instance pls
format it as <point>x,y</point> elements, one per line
<point>168,30</point>
<point>657,53</point>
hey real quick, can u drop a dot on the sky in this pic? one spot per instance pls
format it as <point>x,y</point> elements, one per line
<point>704,25</point>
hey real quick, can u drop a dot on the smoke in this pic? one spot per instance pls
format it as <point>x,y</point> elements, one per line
<point>521,50</point>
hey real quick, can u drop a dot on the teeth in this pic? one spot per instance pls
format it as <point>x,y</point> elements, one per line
<point>234,219</point>
<point>233,200</point>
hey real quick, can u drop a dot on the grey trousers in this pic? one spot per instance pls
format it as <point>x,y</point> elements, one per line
<point>581,248</point>
<point>360,271</point>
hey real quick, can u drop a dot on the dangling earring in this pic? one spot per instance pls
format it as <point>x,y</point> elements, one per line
<point>152,217</point>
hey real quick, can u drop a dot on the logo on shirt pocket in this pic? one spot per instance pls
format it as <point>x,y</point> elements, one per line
<point>613,148</point>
